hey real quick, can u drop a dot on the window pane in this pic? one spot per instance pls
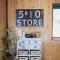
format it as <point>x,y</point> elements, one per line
<point>56,20</point>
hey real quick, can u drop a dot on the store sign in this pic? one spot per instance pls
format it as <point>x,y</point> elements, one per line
<point>29,17</point>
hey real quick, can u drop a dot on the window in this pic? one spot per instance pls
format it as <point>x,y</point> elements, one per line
<point>56,20</point>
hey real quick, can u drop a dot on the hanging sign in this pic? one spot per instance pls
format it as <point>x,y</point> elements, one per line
<point>29,17</point>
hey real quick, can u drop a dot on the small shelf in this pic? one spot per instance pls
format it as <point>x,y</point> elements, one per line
<point>29,49</point>
<point>31,55</point>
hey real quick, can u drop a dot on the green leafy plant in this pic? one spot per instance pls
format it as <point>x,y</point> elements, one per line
<point>10,43</point>
<point>11,38</point>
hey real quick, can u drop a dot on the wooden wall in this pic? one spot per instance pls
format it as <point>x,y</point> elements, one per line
<point>2,23</point>
<point>51,48</point>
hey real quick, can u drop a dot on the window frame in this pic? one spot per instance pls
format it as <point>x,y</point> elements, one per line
<point>54,38</point>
